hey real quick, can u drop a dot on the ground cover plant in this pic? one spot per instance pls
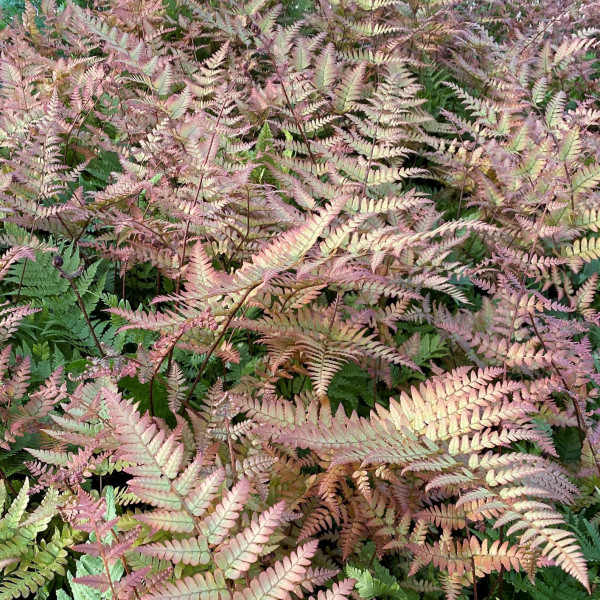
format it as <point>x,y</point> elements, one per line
<point>299,300</point>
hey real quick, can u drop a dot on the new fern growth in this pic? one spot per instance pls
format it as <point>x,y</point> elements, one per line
<point>293,293</point>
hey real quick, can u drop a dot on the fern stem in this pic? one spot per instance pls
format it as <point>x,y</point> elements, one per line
<point>156,369</point>
<point>105,561</point>
<point>217,341</point>
<point>298,122</point>
<point>123,291</point>
<point>6,480</point>
<point>199,189</point>
<point>21,280</point>
<point>523,289</point>
<point>230,444</point>
<point>371,152</point>
<point>70,277</point>
<point>87,114</point>
<point>467,166</point>
<point>187,226</point>
<point>87,319</point>
<point>125,565</point>
<point>472,563</point>
<point>25,263</point>
<point>243,240</point>
<point>500,580</point>
<point>581,428</point>
<point>287,99</point>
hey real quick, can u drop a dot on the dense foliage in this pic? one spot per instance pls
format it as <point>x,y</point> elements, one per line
<point>299,300</point>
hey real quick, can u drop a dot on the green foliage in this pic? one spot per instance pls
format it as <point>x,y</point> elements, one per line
<point>353,388</point>
<point>32,550</point>
<point>87,565</point>
<point>379,584</point>
<point>314,286</point>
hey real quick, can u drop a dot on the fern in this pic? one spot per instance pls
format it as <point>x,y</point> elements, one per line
<point>304,281</point>
<point>29,563</point>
